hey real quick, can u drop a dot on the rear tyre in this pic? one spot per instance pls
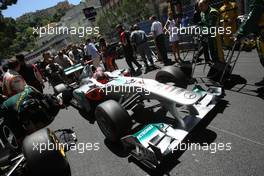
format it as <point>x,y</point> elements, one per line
<point>174,75</point>
<point>44,156</point>
<point>113,120</point>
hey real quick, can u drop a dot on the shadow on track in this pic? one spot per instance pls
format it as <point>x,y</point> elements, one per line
<point>260,92</point>
<point>233,81</point>
<point>228,84</point>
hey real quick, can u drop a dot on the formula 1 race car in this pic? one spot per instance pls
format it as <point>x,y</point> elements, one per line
<point>42,153</point>
<point>118,95</point>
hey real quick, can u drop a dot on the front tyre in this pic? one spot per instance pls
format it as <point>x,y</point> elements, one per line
<point>113,120</point>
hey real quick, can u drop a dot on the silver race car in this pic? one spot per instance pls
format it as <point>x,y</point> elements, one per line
<point>117,97</point>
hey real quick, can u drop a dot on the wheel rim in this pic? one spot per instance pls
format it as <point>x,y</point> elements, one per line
<point>10,137</point>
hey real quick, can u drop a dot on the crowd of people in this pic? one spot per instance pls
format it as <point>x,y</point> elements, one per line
<point>17,74</point>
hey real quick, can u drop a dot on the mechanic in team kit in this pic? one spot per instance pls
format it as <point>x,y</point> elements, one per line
<point>255,24</point>
<point>229,13</point>
<point>210,18</point>
<point>203,48</point>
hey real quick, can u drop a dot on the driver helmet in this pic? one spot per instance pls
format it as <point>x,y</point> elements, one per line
<point>100,76</point>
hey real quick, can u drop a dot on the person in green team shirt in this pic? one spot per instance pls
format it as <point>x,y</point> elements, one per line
<point>210,18</point>
<point>28,110</point>
<point>255,24</point>
<point>10,108</point>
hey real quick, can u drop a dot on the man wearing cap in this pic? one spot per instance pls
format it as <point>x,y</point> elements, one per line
<point>255,24</point>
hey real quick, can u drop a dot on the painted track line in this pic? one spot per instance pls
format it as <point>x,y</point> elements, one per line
<point>238,136</point>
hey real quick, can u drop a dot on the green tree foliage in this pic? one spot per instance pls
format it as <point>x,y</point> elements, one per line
<point>17,35</point>
<point>57,16</point>
<point>7,34</point>
<point>128,13</point>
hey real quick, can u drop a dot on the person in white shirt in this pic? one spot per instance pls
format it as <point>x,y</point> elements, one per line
<point>63,60</point>
<point>159,37</point>
<point>93,52</point>
<point>171,28</point>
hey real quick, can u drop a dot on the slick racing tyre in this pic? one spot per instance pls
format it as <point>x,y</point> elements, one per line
<point>174,75</point>
<point>113,120</point>
<point>7,136</point>
<point>44,156</point>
